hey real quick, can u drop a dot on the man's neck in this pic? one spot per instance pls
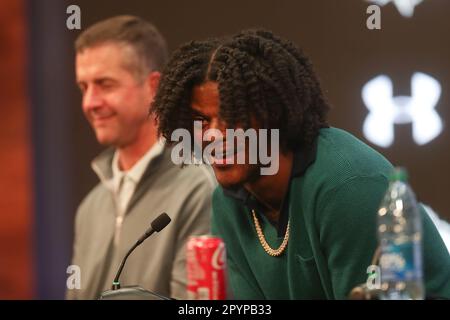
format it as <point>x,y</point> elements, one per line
<point>270,190</point>
<point>129,155</point>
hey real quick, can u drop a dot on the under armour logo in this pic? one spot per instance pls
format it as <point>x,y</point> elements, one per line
<point>405,7</point>
<point>386,110</point>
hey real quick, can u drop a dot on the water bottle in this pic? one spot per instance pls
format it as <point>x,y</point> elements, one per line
<point>400,238</point>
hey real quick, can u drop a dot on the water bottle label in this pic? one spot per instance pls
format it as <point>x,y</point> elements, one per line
<point>401,262</point>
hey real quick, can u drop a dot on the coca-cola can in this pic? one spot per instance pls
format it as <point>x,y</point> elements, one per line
<point>206,268</point>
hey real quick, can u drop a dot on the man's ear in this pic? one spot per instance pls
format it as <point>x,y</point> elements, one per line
<point>153,83</point>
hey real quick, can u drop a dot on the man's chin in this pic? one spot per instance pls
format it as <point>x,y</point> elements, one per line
<point>227,184</point>
<point>232,176</point>
<point>226,178</point>
<point>105,137</point>
<point>106,141</point>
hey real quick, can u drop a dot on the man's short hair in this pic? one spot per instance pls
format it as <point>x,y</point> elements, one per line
<point>147,43</point>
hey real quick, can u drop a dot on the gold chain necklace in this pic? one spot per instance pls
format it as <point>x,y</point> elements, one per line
<point>262,239</point>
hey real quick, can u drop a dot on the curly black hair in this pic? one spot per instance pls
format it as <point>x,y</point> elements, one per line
<point>258,74</point>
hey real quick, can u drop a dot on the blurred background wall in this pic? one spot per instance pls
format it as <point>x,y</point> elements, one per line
<point>47,145</point>
<point>16,209</point>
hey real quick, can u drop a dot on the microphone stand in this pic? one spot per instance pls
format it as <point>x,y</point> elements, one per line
<point>116,283</point>
<point>136,292</point>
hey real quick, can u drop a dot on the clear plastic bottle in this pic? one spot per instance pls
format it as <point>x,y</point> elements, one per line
<point>400,238</point>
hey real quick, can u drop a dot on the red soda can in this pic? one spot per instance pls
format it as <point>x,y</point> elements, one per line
<point>206,267</point>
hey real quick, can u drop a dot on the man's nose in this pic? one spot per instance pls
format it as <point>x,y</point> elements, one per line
<point>91,98</point>
<point>218,124</point>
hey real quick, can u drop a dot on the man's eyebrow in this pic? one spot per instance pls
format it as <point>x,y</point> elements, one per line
<point>98,80</point>
<point>198,113</point>
<point>104,79</point>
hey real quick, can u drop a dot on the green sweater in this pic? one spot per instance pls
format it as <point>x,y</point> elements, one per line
<point>332,210</point>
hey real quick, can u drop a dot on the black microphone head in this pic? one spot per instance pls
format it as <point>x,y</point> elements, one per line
<point>160,222</point>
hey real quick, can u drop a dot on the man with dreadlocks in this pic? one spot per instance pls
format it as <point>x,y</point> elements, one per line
<point>307,231</point>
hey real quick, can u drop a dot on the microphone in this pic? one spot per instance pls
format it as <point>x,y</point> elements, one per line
<point>157,225</point>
